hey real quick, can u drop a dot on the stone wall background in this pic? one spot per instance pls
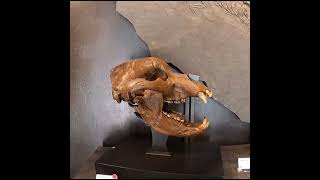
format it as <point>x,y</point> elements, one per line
<point>207,38</point>
<point>100,38</point>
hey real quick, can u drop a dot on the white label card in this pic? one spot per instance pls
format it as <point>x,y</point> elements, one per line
<point>243,164</point>
<point>103,176</point>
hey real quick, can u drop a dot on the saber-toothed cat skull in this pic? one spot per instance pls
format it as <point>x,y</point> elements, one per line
<point>147,83</point>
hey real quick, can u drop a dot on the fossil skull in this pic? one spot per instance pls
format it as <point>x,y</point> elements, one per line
<point>147,84</point>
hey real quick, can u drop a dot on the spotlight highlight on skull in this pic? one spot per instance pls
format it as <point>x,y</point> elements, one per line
<point>147,83</point>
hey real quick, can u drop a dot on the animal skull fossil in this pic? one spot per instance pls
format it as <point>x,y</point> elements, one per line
<point>147,83</point>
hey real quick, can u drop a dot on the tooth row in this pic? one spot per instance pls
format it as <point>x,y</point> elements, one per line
<point>173,117</point>
<point>165,113</point>
<point>177,112</point>
<point>176,102</point>
<point>178,119</point>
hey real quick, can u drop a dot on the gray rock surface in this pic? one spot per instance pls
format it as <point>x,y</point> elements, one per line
<point>210,39</point>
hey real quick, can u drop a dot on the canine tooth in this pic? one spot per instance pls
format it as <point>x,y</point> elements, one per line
<point>202,96</point>
<point>209,93</point>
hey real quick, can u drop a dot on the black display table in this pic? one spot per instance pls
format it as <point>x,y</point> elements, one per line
<point>187,160</point>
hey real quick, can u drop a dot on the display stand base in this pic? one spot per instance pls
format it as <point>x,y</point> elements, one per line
<point>129,160</point>
<point>159,144</point>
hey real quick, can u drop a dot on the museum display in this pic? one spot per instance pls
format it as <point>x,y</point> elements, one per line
<point>164,98</point>
<point>161,89</point>
<point>148,83</point>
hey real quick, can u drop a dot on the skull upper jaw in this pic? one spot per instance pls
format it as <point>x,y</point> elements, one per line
<point>154,74</point>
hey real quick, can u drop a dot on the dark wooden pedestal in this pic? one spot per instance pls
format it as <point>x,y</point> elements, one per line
<point>192,160</point>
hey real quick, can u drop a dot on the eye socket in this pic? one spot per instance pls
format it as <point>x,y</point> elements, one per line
<point>155,74</point>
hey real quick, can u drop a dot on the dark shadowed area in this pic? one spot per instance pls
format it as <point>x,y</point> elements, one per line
<point>100,38</point>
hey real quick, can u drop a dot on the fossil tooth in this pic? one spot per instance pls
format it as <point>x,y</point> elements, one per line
<point>177,112</point>
<point>202,96</point>
<point>209,93</point>
<point>204,124</point>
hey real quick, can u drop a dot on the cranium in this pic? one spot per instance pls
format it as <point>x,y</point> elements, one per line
<point>147,83</point>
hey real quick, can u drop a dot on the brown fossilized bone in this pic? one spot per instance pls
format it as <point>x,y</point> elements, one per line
<point>147,83</point>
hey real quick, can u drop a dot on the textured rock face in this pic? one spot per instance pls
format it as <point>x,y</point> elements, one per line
<point>210,39</point>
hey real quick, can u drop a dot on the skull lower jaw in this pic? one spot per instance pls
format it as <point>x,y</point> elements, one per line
<point>166,121</point>
<point>173,124</point>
